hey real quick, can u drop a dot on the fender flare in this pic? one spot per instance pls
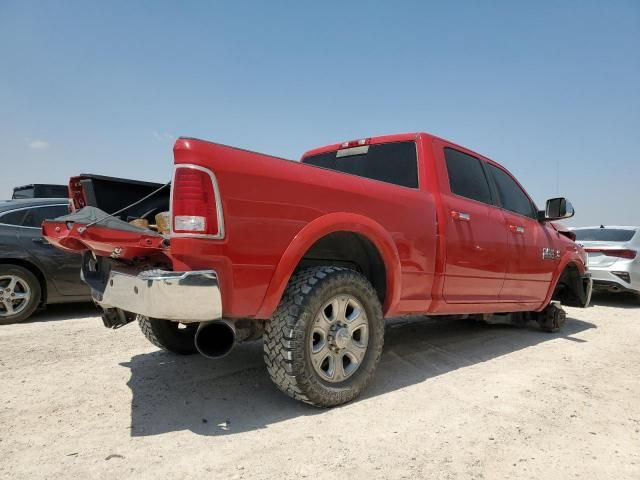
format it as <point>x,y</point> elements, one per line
<point>314,231</point>
<point>569,257</point>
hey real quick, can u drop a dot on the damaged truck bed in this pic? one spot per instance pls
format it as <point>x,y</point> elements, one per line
<point>313,255</point>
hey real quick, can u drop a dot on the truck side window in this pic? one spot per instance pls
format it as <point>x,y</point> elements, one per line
<point>466,176</point>
<point>512,197</point>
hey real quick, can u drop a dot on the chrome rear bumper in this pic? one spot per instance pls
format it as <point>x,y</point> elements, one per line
<point>179,296</point>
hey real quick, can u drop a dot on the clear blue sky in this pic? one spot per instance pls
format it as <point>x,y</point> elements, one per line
<point>105,87</point>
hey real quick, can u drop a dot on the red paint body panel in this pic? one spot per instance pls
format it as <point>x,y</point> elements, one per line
<point>475,262</point>
<point>102,241</point>
<point>274,210</point>
<point>528,275</point>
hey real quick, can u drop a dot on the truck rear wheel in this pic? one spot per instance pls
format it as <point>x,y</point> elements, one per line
<point>170,336</point>
<point>324,342</point>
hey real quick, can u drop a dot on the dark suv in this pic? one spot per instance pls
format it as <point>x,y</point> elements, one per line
<point>32,272</point>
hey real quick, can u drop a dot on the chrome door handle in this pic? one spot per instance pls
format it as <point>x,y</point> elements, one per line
<point>516,228</point>
<point>465,217</point>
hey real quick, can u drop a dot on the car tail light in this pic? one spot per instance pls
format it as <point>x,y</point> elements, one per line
<point>196,207</point>
<point>619,253</point>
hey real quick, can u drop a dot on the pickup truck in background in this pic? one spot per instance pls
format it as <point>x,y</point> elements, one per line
<point>313,255</point>
<point>39,190</point>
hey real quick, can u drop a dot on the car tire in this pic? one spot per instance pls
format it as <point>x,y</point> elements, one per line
<point>325,339</point>
<point>168,335</point>
<point>16,280</point>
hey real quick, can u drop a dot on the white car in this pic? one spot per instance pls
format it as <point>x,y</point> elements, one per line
<point>614,257</point>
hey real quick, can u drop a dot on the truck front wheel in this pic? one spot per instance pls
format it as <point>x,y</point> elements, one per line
<point>171,336</point>
<point>325,339</point>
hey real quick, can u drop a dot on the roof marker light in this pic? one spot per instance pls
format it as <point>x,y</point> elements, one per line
<point>356,143</point>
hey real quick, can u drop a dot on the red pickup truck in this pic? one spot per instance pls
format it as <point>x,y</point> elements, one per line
<point>313,255</point>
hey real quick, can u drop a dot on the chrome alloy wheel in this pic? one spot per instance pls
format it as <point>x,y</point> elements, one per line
<point>339,338</point>
<point>14,295</point>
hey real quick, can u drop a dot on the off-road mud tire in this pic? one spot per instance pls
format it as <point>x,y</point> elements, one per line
<point>287,335</point>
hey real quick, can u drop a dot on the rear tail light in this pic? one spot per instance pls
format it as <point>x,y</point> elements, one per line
<point>196,207</point>
<point>190,223</point>
<point>619,253</point>
<point>76,194</point>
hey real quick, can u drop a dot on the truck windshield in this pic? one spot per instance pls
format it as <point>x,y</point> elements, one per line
<point>604,234</point>
<point>395,163</point>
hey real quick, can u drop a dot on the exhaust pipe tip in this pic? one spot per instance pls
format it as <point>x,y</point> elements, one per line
<point>215,339</point>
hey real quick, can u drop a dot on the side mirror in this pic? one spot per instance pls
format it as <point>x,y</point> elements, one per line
<point>557,209</point>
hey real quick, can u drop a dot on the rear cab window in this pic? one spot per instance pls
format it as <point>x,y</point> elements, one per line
<point>395,162</point>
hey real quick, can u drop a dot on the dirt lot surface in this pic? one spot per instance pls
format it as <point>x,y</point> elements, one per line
<point>450,400</point>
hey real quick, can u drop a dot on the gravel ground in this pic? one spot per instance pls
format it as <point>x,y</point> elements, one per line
<point>453,399</point>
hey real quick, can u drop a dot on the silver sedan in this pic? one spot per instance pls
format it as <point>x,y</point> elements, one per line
<point>614,256</point>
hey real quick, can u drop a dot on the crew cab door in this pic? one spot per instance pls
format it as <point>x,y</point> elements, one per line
<point>528,272</point>
<point>475,237</point>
